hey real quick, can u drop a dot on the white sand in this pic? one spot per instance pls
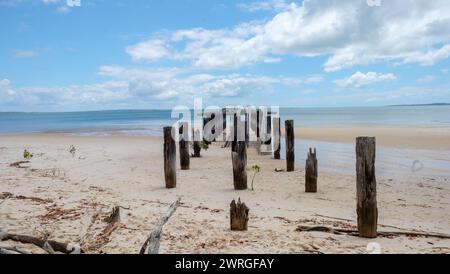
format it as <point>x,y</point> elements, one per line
<point>128,171</point>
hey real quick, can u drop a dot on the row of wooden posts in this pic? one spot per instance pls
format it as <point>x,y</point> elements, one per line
<point>365,170</point>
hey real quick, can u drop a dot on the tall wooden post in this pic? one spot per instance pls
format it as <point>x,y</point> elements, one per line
<point>170,159</point>
<point>290,145</point>
<point>269,128</point>
<point>366,187</point>
<point>184,147</point>
<point>238,216</point>
<point>311,172</point>
<point>276,123</point>
<point>239,159</point>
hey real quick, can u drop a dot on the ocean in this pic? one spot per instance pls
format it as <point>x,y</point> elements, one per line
<point>338,157</point>
<point>150,122</point>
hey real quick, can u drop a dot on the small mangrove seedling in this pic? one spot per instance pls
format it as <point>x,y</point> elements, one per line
<point>204,145</point>
<point>72,150</point>
<point>256,169</point>
<point>27,155</point>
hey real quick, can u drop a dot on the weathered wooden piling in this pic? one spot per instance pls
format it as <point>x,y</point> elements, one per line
<point>311,172</point>
<point>184,147</point>
<point>170,159</point>
<point>290,145</point>
<point>366,187</point>
<point>269,128</point>
<point>239,159</point>
<point>276,123</point>
<point>238,216</point>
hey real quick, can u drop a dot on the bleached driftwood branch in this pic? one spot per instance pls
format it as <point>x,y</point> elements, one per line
<point>41,243</point>
<point>338,231</point>
<point>151,245</point>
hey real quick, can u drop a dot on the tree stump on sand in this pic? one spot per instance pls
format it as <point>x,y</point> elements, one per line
<point>238,216</point>
<point>311,172</point>
<point>239,159</point>
<point>184,147</point>
<point>170,159</point>
<point>290,146</point>
<point>366,187</point>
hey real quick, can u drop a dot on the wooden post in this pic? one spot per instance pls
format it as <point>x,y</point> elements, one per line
<point>197,150</point>
<point>276,138</point>
<point>238,216</point>
<point>184,147</point>
<point>311,172</point>
<point>247,128</point>
<point>290,145</point>
<point>366,187</point>
<point>170,159</point>
<point>196,145</point>
<point>269,128</point>
<point>239,159</point>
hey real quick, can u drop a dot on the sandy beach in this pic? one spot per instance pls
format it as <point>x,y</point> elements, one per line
<point>66,198</point>
<point>393,137</point>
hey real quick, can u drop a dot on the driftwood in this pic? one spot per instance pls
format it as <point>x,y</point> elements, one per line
<point>114,217</point>
<point>7,195</point>
<point>366,187</point>
<point>355,233</point>
<point>13,251</point>
<point>290,146</point>
<point>170,159</point>
<point>19,164</point>
<point>238,216</point>
<point>151,245</point>
<point>311,172</point>
<point>41,243</point>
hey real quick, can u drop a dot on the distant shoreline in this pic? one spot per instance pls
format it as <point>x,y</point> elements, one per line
<point>168,110</point>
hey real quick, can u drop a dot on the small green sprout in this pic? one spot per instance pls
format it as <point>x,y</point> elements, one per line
<point>204,145</point>
<point>27,155</point>
<point>72,150</point>
<point>256,169</point>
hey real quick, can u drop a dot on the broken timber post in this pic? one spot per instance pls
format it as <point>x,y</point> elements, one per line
<point>238,216</point>
<point>311,172</point>
<point>184,147</point>
<point>276,123</point>
<point>170,159</point>
<point>239,159</point>
<point>366,187</point>
<point>290,145</point>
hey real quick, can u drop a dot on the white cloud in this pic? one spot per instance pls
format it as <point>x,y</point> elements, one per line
<point>25,53</point>
<point>349,32</point>
<point>273,5</point>
<point>359,79</point>
<point>150,50</point>
<point>130,87</point>
<point>426,79</point>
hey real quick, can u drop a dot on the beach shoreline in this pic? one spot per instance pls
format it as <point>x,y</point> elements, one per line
<point>128,171</point>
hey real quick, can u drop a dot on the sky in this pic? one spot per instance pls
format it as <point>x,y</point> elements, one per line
<point>75,55</point>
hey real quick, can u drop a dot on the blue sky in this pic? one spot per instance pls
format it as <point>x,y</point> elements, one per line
<point>106,54</point>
